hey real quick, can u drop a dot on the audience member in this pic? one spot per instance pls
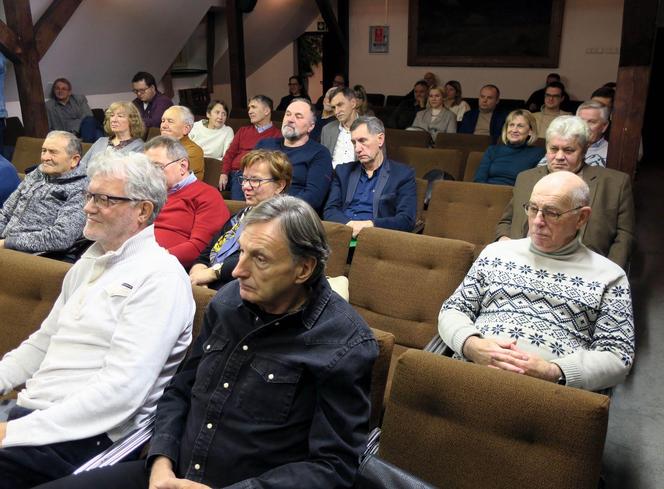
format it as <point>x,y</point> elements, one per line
<point>211,134</point>
<point>194,210</point>
<point>177,123</point>
<point>436,118</point>
<point>9,179</point>
<point>546,306</point>
<point>536,99</point>
<point>610,229</point>
<point>554,95</point>
<point>454,101</point>
<point>486,120</point>
<point>363,107</point>
<point>98,364</point>
<point>275,391</point>
<point>149,101</point>
<point>295,90</point>
<point>374,190</point>
<point>431,79</point>
<point>70,112</point>
<point>604,95</point>
<point>264,175</point>
<point>596,116</point>
<point>311,161</point>
<point>45,213</point>
<point>502,163</point>
<point>124,127</point>
<point>339,81</point>
<point>246,138</point>
<point>325,117</point>
<point>336,137</point>
<point>404,115</point>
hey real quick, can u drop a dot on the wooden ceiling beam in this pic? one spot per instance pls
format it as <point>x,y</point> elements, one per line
<point>52,22</point>
<point>333,26</point>
<point>9,43</point>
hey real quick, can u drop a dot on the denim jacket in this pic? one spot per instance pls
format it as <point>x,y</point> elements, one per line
<point>270,402</point>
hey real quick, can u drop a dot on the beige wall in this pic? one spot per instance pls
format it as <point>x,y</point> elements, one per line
<point>587,24</point>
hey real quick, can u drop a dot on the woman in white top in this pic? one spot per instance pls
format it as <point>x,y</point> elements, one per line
<point>436,118</point>
<point>453,100</point>
<point>211,134</point>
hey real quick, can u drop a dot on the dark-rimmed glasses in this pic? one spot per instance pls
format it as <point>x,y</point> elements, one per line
<point>548,214</point>
<point>254,183</point>
<point>165,165</point>
<point>105,200</point>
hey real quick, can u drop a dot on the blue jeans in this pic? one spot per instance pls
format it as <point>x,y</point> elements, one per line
<point>234,186</point>
<point>25,467</point>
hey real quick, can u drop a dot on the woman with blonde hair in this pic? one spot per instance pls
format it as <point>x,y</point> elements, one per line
<point>124,126</point>
<point>435,118</point>
<point>502,163</point>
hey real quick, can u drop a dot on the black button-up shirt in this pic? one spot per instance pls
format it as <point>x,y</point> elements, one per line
<point>266,401</point>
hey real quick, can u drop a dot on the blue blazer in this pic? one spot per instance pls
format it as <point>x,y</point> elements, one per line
<point>469,121</point>
<point>395,198</point>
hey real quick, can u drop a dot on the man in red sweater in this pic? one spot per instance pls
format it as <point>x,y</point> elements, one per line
<point>245,139</point>
<point>194,210</point>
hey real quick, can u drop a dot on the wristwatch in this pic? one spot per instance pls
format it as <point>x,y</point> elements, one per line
<point>217,269</point>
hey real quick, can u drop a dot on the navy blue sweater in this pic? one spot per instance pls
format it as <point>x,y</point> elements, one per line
<point>502,163</point>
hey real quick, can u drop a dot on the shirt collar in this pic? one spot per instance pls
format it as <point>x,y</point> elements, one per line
<point>188,180</point>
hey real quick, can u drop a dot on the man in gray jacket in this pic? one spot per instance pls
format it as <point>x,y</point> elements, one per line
<point>336,137</point>
<point>45,213</point>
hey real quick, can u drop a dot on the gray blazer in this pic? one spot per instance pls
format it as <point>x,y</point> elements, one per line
<point>329,136</point>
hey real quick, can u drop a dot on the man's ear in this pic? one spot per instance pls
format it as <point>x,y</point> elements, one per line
<point>146,208</point>
<point>304,268</point>
<point>584,215</point>
<point>75,160</point>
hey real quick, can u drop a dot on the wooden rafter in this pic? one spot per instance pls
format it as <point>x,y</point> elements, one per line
<point>52,22</point>
<point>333,26</point>
<point>9,43</point>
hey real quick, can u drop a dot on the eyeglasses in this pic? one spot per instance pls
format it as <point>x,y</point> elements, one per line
<point>548,214</point>
<point>105,200</point>
<point>140,91</point>
<point>163,167</point>
<point>254,183</point>
<point>552,95</point>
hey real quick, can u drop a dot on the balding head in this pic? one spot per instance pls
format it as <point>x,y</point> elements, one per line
<point>557,209</point>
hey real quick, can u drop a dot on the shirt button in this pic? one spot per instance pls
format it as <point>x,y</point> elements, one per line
<point>277,323</point>
<point>270,376</point>
<point>209,426</point>
<point>226,385</point>
<point>197,466</point>
<point>245,347</point>
<point>207,347</point>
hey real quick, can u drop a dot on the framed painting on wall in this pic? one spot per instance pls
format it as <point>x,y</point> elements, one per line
<point>519,33</point>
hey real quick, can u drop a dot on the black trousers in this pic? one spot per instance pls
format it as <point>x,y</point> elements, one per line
<point>25,467</point>
<point>125,475</point>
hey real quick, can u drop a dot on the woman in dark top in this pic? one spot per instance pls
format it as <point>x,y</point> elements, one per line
<point>264,175</point>
<point>295,90</point>
<point>501,163</point>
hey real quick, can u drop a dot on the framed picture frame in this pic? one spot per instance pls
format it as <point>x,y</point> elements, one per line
<point>485,33</point>
<point>379,39</point>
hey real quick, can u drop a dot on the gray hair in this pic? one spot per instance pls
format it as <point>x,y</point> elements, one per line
<point>579,196</point>
<point>604,111</point>
<point>73,147</point>
<point>569,127</point>
<point>374,125</point>
<point>174,149</point>
<point>301,226</point>
<point>186,114</point>
<point>142,179</point>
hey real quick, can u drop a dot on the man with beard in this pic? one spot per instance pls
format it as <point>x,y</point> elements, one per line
<point>312,162</point>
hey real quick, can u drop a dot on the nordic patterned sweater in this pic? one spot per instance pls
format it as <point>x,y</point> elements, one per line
<point>572,307</point>
<point>45,213</point>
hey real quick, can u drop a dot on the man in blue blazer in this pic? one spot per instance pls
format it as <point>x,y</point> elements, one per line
<point>372,191</point>
<point>486,120</point>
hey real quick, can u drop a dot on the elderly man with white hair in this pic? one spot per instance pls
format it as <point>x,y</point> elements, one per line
<point>610,229</point>
<point>546,306</point>
<point>177,122</point>
<point>98,364</point>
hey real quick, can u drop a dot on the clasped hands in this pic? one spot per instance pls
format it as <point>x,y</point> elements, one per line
<point>505,355</point>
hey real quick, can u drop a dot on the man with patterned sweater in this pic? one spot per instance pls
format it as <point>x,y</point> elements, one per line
<point>546,306</point>
<point>194,210</point>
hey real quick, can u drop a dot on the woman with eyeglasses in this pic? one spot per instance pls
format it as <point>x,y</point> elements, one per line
<point>264,175</point>
<point>502,163</point>
<point>124,126</point>
<point>212,134</point>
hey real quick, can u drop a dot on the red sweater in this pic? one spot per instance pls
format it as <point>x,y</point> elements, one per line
<point>245,140</point>
<point>189,219</point>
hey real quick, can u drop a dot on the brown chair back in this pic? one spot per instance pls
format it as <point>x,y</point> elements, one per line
<point>338,238</point>
<point>473,161</point>
<point>152,132</point>
<point>459,425</point>
<point>237,123</point>
<point>398,281</point>
<point>202,297</point>
<point>395,138</point>
<point>27,153</point>
<point>466,211</point>
<point>235,206</point>
<point>470,142</point>
<point>424,160</point>
<point>421,186</point>
<point>29,287</point>
<point>212,171</point>
<point>379,374</point>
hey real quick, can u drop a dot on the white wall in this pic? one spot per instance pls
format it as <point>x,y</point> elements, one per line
<point>587,24</point>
